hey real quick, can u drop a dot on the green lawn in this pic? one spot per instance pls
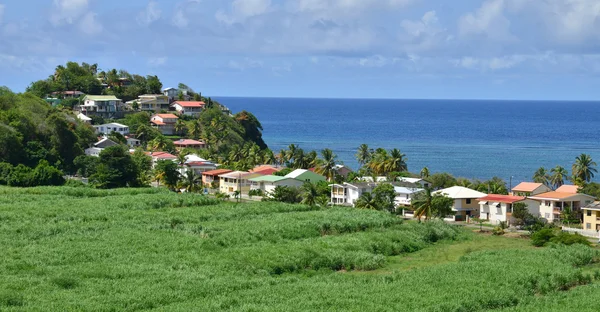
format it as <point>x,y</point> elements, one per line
<point>78,249</point>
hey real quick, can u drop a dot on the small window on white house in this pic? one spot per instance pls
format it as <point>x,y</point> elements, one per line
<point>547,216</point>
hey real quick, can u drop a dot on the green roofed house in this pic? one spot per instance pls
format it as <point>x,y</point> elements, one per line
<point>100,105</point>
<point>268,183</point>
<point>306,176</point>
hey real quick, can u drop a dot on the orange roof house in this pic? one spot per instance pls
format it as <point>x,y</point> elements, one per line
<point>529,188</point>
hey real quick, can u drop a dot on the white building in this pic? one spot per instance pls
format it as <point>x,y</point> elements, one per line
<point>421,182</point>
<point>112,127</point>
<point>405,195</point>
<point>133,142</point>
<point>99,147</point>
<point>103,105</point>
<point>165,123</point>
<point>552,204</point>
<point>499,208</point>
<point>84,118</point>
<point>188,108</point>
<point>466,202</point>
<point>171,93</point>
<point>268,183</point>
<point>348,193</point>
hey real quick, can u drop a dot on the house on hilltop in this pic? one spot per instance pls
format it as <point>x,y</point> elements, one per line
<point>188,108</point>
<point>112,127</point>
<point>268,183</point>
<point>165,123</point>
<point>305,176</point>
<point>105,106</point>
<point>529,188</point>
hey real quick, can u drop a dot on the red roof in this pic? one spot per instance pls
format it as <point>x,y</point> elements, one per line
<point>216,172</point>
<point>266,171</point>
<point>161,155</point>
<point>197,163</point>
<point>189,103</point>
<point>158,122</point>
<point>526,187</point>
<point>263,167</point>
<point>502,198</point>
<point>188,142</point>
<point>573,189</point>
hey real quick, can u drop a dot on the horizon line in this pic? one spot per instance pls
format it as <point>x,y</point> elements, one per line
<point>403,99</point>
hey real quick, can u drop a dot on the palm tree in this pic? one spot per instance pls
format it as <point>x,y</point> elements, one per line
<point>159,143</point>
<point>191,182</point>
<point>584,168</point>
<point>379,161</point>
<point>326,165</point>
<point>268,157</point>
<point>309,194</point>
<point>397,161</point>
<point>195,129</point>
<point>423,206</point>
<point>541,176</point>
<point>180,127</point>
<point>181,159</point>
<point>425,172</point>
<point>282,157</point>
<point>291,153</point>
<point>559,175</point>
<point>363,155</point>
<point>366,201</point>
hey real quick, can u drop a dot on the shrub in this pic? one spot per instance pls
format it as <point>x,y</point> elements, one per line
<point>20,176</point>
<point>542,237</point>
<point>75,183</point>
<point>46,175</point>
<point>498,231</point>
<point>569,239</point>
<point>5,171</point>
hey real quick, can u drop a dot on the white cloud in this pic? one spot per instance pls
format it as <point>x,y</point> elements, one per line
<point>150,14</point>
<point>157,61</point>
<point>246,63</point>
<point>89,25</point>
<point>68,11</point>
<point>488,21</point>
<point>243,9</point>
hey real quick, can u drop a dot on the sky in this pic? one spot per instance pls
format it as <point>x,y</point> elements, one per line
<point>429,49</point>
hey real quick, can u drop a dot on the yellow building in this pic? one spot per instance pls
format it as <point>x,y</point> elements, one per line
<point>466,203</point>
<point>236,181</point>
<point>591,217</point>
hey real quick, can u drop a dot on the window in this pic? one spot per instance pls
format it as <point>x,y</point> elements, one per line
<point>509,208</point>
<point>589,213</point>
<point>468,201</point>
<point>547,216</point>
<point>588,226</point>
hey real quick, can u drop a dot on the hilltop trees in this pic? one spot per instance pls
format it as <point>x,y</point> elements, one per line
<point>558,177</point>
<point>541,176</point>
<point>584,168</point>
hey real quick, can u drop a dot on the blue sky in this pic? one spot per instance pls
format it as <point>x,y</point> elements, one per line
<point>491,49</point>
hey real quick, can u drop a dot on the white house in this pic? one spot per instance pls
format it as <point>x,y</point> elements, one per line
<point>152,102</point>
<point>529,188</point>
<point>133,142</point>
<point>268,183</point>
<point>421,182</point>
<point>499,208</point>
<point>554,203</point>
<point>466,202</point>
<point>371,180</point>
<point>112,127</point>
<point>171,93</point>
<point>99,147</point>
<point>84,118</point>
<point>405,195</point>
<point>165,123</point>
<point>348,193</point>
<point>188,108</point>
<point>103,105</point>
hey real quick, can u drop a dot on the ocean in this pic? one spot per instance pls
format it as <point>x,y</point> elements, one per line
<point>476,139</point>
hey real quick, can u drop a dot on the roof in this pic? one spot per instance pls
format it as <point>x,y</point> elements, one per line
<point>188,142</point>
<point>557,195</point>
<point>157,122</point>
<point>460,192</point>
<point>217,172</point>
<point>573,189</point>
<point>105,142</point>
<point>102,98</point>
<point>526,187</point>
<point>166,116</point>
<point>356,185</point>
<point>113,124</point>
<point>198,163</point>
<point>238,174</point>
<point>161,155</point>
<point>68,92</point>
<point>266,171</point>
<point>83,117</point>
<point>406,190</point>
<point>269,178</point>
<point>508,199</point>
<point>592,206</point>
<point>263,167</point>
<point>298,172</point>
<point>189,103</point>
<point>409,180</point>
<point>167,89</point>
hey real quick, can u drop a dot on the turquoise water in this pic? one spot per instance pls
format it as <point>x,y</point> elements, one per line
<point>473,139</point>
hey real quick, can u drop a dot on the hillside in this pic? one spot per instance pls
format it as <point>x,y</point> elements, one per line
<point>138,249</point>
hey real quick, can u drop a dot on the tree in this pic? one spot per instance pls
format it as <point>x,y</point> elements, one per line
<point>191,182</point>
<point>584,168</point>
<point>424,173</point>
<point>363,155</point>
<point>161,143</point>
<point>520,213</point>
<point>252,129</point>
<point>385,196</point>
<point>115,169</point>
<point>326,166</point>
<point>442,180</point>
<point>396,161</point>
<point>430,205</point>
<point>558,177</point>
<point>153,85</point>
<point>309,194</point>
<point>167,172</point>
<point>117,138</point>
<point>366,201</point>
<point>143,164</point>
<point>44,174</point>
<point>541,176</point>
<point>285,194</point>
<point>195,129</point>
<point>180,127</point>
<point>86,165</point>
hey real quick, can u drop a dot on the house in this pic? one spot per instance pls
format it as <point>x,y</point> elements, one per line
<point>529,188</point>
<point>236,181</point>
<point>99,147</point>
<point>165,123</point>
<point>421,182</point>
<point>68,94</point>
<point>268,183</point>
<point>266,169</point>
<point>591,216</point>
<point>499,208</point>
<point>465,201</point>
<point>84,118</point>
<point>573,189</point>
<point>188,108</point>
<point>112,127</point>
<point>171,93</point>
<point>133,142</point>
<point>554,203</point>
<point>152,102</point>
<point>342,170</point>
<point>305,176</point>
<point>199,167</point>
<point>100,105</point>
<point>375,179</point>
<point>187,143</point>
<point>348,193</point>
<point>405,195</point>
<point>157,156</point>
<point>208,177</point>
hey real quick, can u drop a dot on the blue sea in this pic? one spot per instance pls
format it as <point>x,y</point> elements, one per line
<point>476,139</point>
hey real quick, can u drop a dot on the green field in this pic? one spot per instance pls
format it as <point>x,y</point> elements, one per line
<point>78,249</point>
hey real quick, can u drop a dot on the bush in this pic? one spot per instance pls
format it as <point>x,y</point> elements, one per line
<point>498,231</point>
<point>569,239</point>
<point>20,176</point>
<point>46,175</point>
<point>5,171</point>
<point>75,183</point>
<point>542,237</point>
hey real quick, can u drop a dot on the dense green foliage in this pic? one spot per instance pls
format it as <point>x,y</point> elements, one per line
<point>548,235</point>
<point>132,249</point>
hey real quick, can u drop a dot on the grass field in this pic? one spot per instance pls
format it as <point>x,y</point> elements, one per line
<point>78,249</point>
